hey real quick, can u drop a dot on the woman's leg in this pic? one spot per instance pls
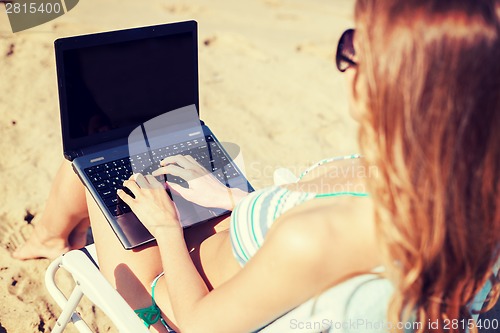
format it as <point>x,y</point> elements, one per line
<point>64,222</point>
<point>132,271</point>
<point>129,271</point>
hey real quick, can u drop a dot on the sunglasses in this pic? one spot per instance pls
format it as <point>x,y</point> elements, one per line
<point>345,51</point>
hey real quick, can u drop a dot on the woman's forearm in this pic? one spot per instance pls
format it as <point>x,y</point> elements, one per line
<point>157,212</point>
<point>234,197</point>
<point>184,284</point>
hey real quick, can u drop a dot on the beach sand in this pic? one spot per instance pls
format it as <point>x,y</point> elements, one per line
<point>268,83</point>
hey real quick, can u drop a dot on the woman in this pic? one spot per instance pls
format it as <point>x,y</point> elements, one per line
<point>424,77</point>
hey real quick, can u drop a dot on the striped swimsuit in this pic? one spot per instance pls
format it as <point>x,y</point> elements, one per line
<point>254,215</point>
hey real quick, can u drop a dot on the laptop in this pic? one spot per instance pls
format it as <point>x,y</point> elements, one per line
<point>128,99</point>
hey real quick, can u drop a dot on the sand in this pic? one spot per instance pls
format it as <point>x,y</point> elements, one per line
<point>267,82</point>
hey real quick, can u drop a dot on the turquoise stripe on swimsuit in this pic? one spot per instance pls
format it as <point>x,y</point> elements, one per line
<point>254,215</point>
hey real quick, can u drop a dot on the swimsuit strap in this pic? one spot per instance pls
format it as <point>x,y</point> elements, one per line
<point>151,314</point>
<point>328,160</point>
<point>338,194</point>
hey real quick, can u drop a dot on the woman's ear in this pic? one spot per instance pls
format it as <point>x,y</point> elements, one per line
<point>355,92</point>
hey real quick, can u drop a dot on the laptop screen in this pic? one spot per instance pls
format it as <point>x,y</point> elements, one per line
<point>110,83</point>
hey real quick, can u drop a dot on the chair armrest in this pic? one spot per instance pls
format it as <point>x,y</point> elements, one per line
<point>100,292</point>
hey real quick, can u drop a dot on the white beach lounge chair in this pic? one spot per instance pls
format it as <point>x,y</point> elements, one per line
<point>82,265</point>
<point>356,305</point>
<point>313,316</point>
<point>316,315</point>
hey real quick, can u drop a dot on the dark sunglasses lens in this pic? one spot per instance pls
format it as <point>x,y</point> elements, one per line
<point>345,51</point>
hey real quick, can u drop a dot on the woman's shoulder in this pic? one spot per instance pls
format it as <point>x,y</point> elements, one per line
<point>331,217</point>
<point>340,229</point>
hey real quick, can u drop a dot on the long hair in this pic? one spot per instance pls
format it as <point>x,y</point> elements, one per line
<point>428,93</point>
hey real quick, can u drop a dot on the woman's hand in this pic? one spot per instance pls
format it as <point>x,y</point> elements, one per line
<point>204,188</point>
<point>151,204</point>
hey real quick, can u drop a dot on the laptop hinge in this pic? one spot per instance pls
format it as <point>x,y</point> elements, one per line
<point>71,155</point>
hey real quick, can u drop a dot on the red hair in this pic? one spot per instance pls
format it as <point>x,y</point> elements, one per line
<point>428,89</point>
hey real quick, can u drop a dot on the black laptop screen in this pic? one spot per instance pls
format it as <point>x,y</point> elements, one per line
<point>124,84</point>
<point>109,83</point>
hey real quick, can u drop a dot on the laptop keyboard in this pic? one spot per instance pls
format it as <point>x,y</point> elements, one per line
<point>107,178</point>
